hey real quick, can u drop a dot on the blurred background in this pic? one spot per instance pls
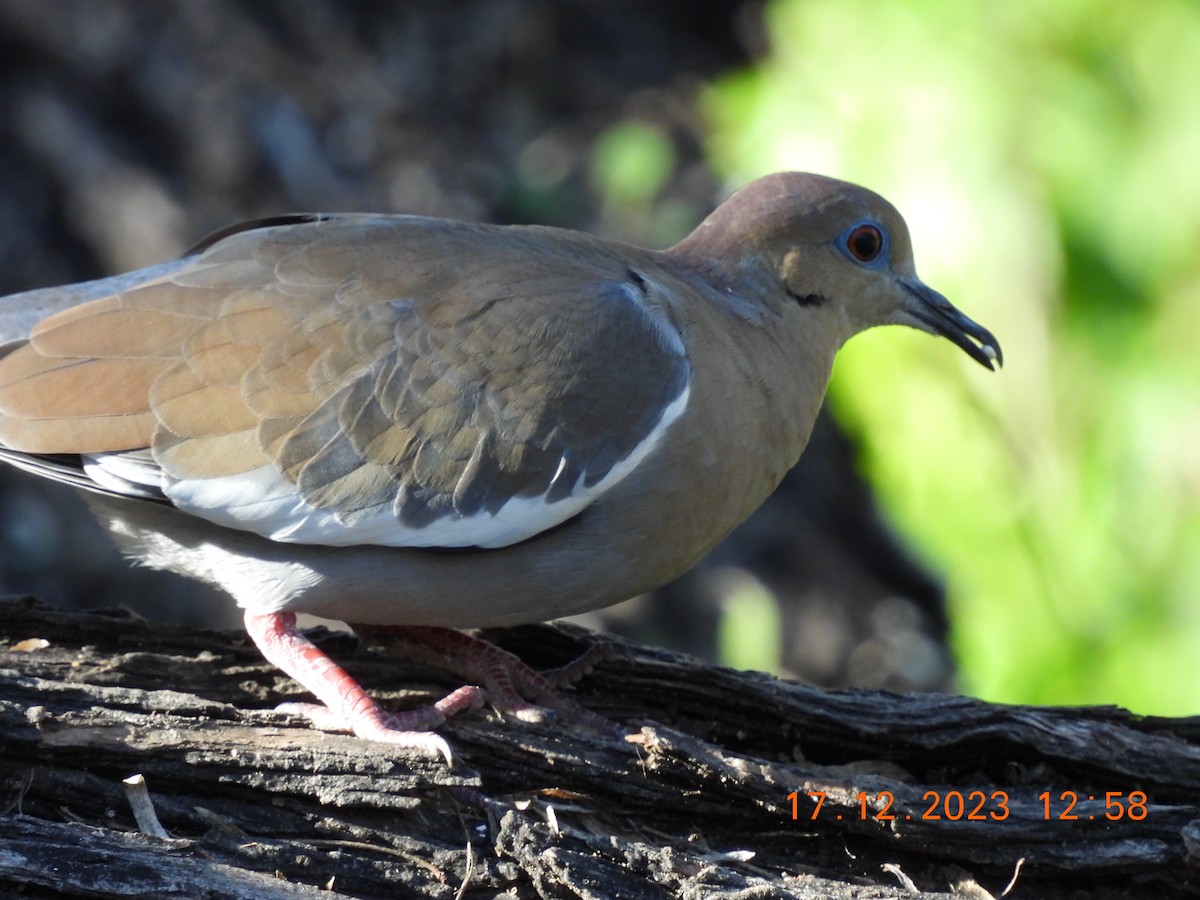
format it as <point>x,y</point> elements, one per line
<point>1030,536</point>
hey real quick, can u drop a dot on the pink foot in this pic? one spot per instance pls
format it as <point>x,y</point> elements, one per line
<point>509,682</point>
<point>346,706</point>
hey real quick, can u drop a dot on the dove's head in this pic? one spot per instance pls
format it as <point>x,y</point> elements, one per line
<point>829,244</point>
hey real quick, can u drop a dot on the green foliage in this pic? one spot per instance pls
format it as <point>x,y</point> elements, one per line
<point>631,161</point>
<point>1047,159</point>
<point>748,634</point>
<point>631,164</point>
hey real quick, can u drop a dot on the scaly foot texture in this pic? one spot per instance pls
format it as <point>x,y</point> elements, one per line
<point>508,683</point>
<point>345,706</point>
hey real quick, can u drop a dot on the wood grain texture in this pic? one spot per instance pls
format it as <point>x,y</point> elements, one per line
<point>698,806</point>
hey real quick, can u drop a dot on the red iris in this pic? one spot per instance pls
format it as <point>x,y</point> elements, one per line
<point>865,242</point>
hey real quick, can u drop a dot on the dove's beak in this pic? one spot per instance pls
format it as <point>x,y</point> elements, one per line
<point>937,315</point>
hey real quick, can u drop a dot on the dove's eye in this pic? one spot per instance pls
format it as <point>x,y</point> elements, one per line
<point>863,242</point>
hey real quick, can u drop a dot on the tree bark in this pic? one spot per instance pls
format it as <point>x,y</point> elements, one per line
<point>694,802</point>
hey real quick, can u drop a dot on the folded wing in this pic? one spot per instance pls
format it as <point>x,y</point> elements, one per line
<point>347,380</point>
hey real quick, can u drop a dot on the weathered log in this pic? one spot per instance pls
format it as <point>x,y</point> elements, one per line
<point>695,802</point>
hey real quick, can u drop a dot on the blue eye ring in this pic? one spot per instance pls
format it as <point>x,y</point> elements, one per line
<point>866,243</point>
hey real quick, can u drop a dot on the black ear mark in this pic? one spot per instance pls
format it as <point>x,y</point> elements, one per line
<point>809,299</point>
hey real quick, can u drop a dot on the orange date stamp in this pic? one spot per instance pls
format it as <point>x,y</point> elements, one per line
<point>977,806</point>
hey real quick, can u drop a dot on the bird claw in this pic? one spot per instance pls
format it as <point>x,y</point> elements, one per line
<point>404,729</point>
<point>583,665</point>
<point>512,686</point>
<point>345,706</point>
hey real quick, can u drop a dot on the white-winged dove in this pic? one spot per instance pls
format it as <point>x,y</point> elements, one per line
<point>402,421</point>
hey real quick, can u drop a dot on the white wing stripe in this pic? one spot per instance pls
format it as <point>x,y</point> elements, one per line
<point>263,502</point>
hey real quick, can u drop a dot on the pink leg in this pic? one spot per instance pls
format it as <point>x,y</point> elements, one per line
<point>508,681</point>
<point>346,705</point>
